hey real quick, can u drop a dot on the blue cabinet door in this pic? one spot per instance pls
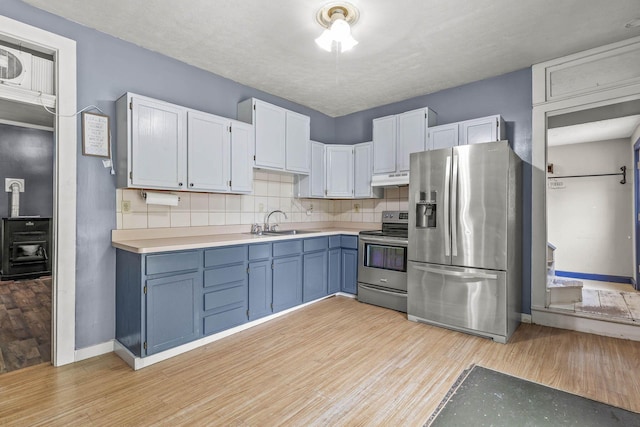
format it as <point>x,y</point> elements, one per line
<point>334,271</point>
<point>315,276</point>
<point>172,311</point>
<point>260,291</point>
<point>287,282</point>
<point>350,271</point>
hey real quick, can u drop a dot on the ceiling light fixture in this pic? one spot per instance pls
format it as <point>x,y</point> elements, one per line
<point>337,18</point>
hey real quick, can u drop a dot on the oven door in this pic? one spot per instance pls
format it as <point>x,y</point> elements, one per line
<point>383,262</point>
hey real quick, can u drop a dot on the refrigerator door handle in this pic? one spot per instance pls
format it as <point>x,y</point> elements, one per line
<point>454,208</point>
<point>447,235</point>
<point>461,274</point>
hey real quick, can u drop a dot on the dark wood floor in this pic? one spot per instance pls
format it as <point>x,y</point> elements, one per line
<point>334,363</point>
<point>25,323</point>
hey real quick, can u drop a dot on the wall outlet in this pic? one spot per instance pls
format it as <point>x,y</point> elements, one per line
<point>126,206</point>
<point>356,207</point>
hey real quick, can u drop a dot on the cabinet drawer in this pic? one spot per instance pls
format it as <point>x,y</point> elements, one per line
<point>349,242</point>
<point>224,256</point>
<point>225,296</point>
<point>260,251</point>
<point>335,241</point>
<point>176,261</point>
<point>290,247</point>
<point>316,244</point>
<point>222,275</point>
<point>224,320</point>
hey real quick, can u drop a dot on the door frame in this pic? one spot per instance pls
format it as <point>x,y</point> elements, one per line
<point>63,303</point>
<point>636,211</point>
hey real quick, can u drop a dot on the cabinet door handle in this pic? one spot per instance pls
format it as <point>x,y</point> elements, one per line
<point>191,185</point>
<point>179,184</point>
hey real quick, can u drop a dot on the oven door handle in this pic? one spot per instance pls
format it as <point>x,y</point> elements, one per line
<point>383,291</point>
<point>461,274</point>
<point>388,242</point>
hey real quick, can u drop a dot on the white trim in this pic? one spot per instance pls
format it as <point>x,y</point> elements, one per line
<point>525,318</point>
<point>64,212</point>
<point>27,125</point>
<point>94,350</point>
<point>142,362</point>
<point>589,325</point>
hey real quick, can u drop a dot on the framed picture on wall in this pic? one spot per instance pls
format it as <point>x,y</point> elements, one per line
<point>95,135</point>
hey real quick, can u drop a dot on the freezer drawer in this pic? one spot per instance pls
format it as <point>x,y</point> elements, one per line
<point>469,299</point>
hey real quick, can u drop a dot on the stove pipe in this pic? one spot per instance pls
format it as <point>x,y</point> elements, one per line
<point>15,186</point>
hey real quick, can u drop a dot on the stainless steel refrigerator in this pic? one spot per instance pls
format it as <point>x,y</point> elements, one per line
<point>465,239</point>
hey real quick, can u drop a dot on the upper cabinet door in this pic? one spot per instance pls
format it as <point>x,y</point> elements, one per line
<point>363,168</point>
<point>484,129</point>
<point>411,135</point>
<point>384,144</point>
<point>443,136</point>
<point>270,134</point>
<point>158,145</point>
<point>208,152</point>
<point>317,174</point>
<point>339,174</point>
<point>297,142</point>
<point>241,157</point>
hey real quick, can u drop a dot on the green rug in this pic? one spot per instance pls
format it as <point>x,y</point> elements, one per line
<point>483,397</point>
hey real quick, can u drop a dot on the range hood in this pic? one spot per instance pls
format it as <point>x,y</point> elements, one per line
<point>390,180</point>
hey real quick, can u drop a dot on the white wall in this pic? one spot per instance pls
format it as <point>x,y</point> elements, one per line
<point>589,220</point>
<point>634,137</point>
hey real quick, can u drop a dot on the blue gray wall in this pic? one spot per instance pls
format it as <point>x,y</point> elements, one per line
<point>108,67</point>
<point>27,154</point>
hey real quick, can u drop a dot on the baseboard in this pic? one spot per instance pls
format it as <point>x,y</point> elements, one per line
<point>94,350</point>
<point>610,328</point>
<point>596,277</point>
<point>525,318</point>
<point>344,294</point>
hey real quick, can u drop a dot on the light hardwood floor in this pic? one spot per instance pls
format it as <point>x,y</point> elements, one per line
<point>336,362</point>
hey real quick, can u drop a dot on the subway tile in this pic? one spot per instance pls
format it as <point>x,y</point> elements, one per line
<point>404,192</point>
<point>184,205</point>
<point>217,203</point>
<point>261,204</point>
<point>393,205</point>
<point>285,205</point>
<point>403,205</point>
<point>247,218</point>
<point>134,220</point>
<point>356,217</point>
<point>367,206</point>
<point>273,203</point>
<point>199,202</point>
<point>296,217</point>
<point>247,203</point>
<point>180,219</point>
<point>199,219</point>
<point>346,205</point>
<point>286,177</point>
<point>274,177</point>
<point>391,193</point>
<point>345,216</point>
<point>260,188</point>
<point>286,189</point>
<point>118,200</point>
<point>138,204</point>
<point>217,218</point>
<point>232,218</point>
<point>380,205</point>
<point>118,221</point>
<point>368,217</point>
<point>261,175</point>
<point>159,218</point>
<point>273,189</point>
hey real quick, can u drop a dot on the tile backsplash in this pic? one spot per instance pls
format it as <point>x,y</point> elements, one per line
<point>271,191</point>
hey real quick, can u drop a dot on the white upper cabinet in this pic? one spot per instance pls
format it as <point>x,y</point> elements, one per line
<point>484,129</point>
<point>209,152</point>
<point>298,129</point>
<point>241,157</point>
<point>384,144</point>
<point>363,170</point>
<point>168,147</point>
<point>339,175</point>
<point>152,143</point>
<point>312,185</point>
<point>412,132</point>
<point>442,136</point>
<point>281,136</point>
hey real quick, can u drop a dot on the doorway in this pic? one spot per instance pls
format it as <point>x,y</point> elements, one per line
<point>63,255</point>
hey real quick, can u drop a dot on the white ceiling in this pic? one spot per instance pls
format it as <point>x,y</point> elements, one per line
<point>602,130</point>
<point>407,47</point>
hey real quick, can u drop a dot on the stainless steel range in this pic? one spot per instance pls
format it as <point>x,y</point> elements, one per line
<point>382,265</point>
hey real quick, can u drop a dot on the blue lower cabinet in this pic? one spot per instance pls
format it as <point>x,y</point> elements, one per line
<point>260,289</point>
<point>172,311</point>
<point>349,270</point>
<point>315,276</point>
<point>335,273</point>
<point>287,282</point>
<point>225,298</point>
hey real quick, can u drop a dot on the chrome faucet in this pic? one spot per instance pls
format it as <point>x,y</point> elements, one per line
<point>266,222</point>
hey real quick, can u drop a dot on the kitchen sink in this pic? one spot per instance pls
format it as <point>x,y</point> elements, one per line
<point>287,232</point>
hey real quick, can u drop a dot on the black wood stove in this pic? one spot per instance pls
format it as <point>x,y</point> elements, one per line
<point>26,244</point>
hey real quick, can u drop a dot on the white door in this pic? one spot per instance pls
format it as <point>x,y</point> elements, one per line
<point>411,136</point>
<point>208,152</point>
<point>384,144</point>
<point>297,142</point>
<point>317,174</point>
<point>339,170</point>
<point>158,145</point>
<point>480,130</point>
<point>269,135</point>
<point>363,169</point>
<point>443,136</point>
<point>241,157</point>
